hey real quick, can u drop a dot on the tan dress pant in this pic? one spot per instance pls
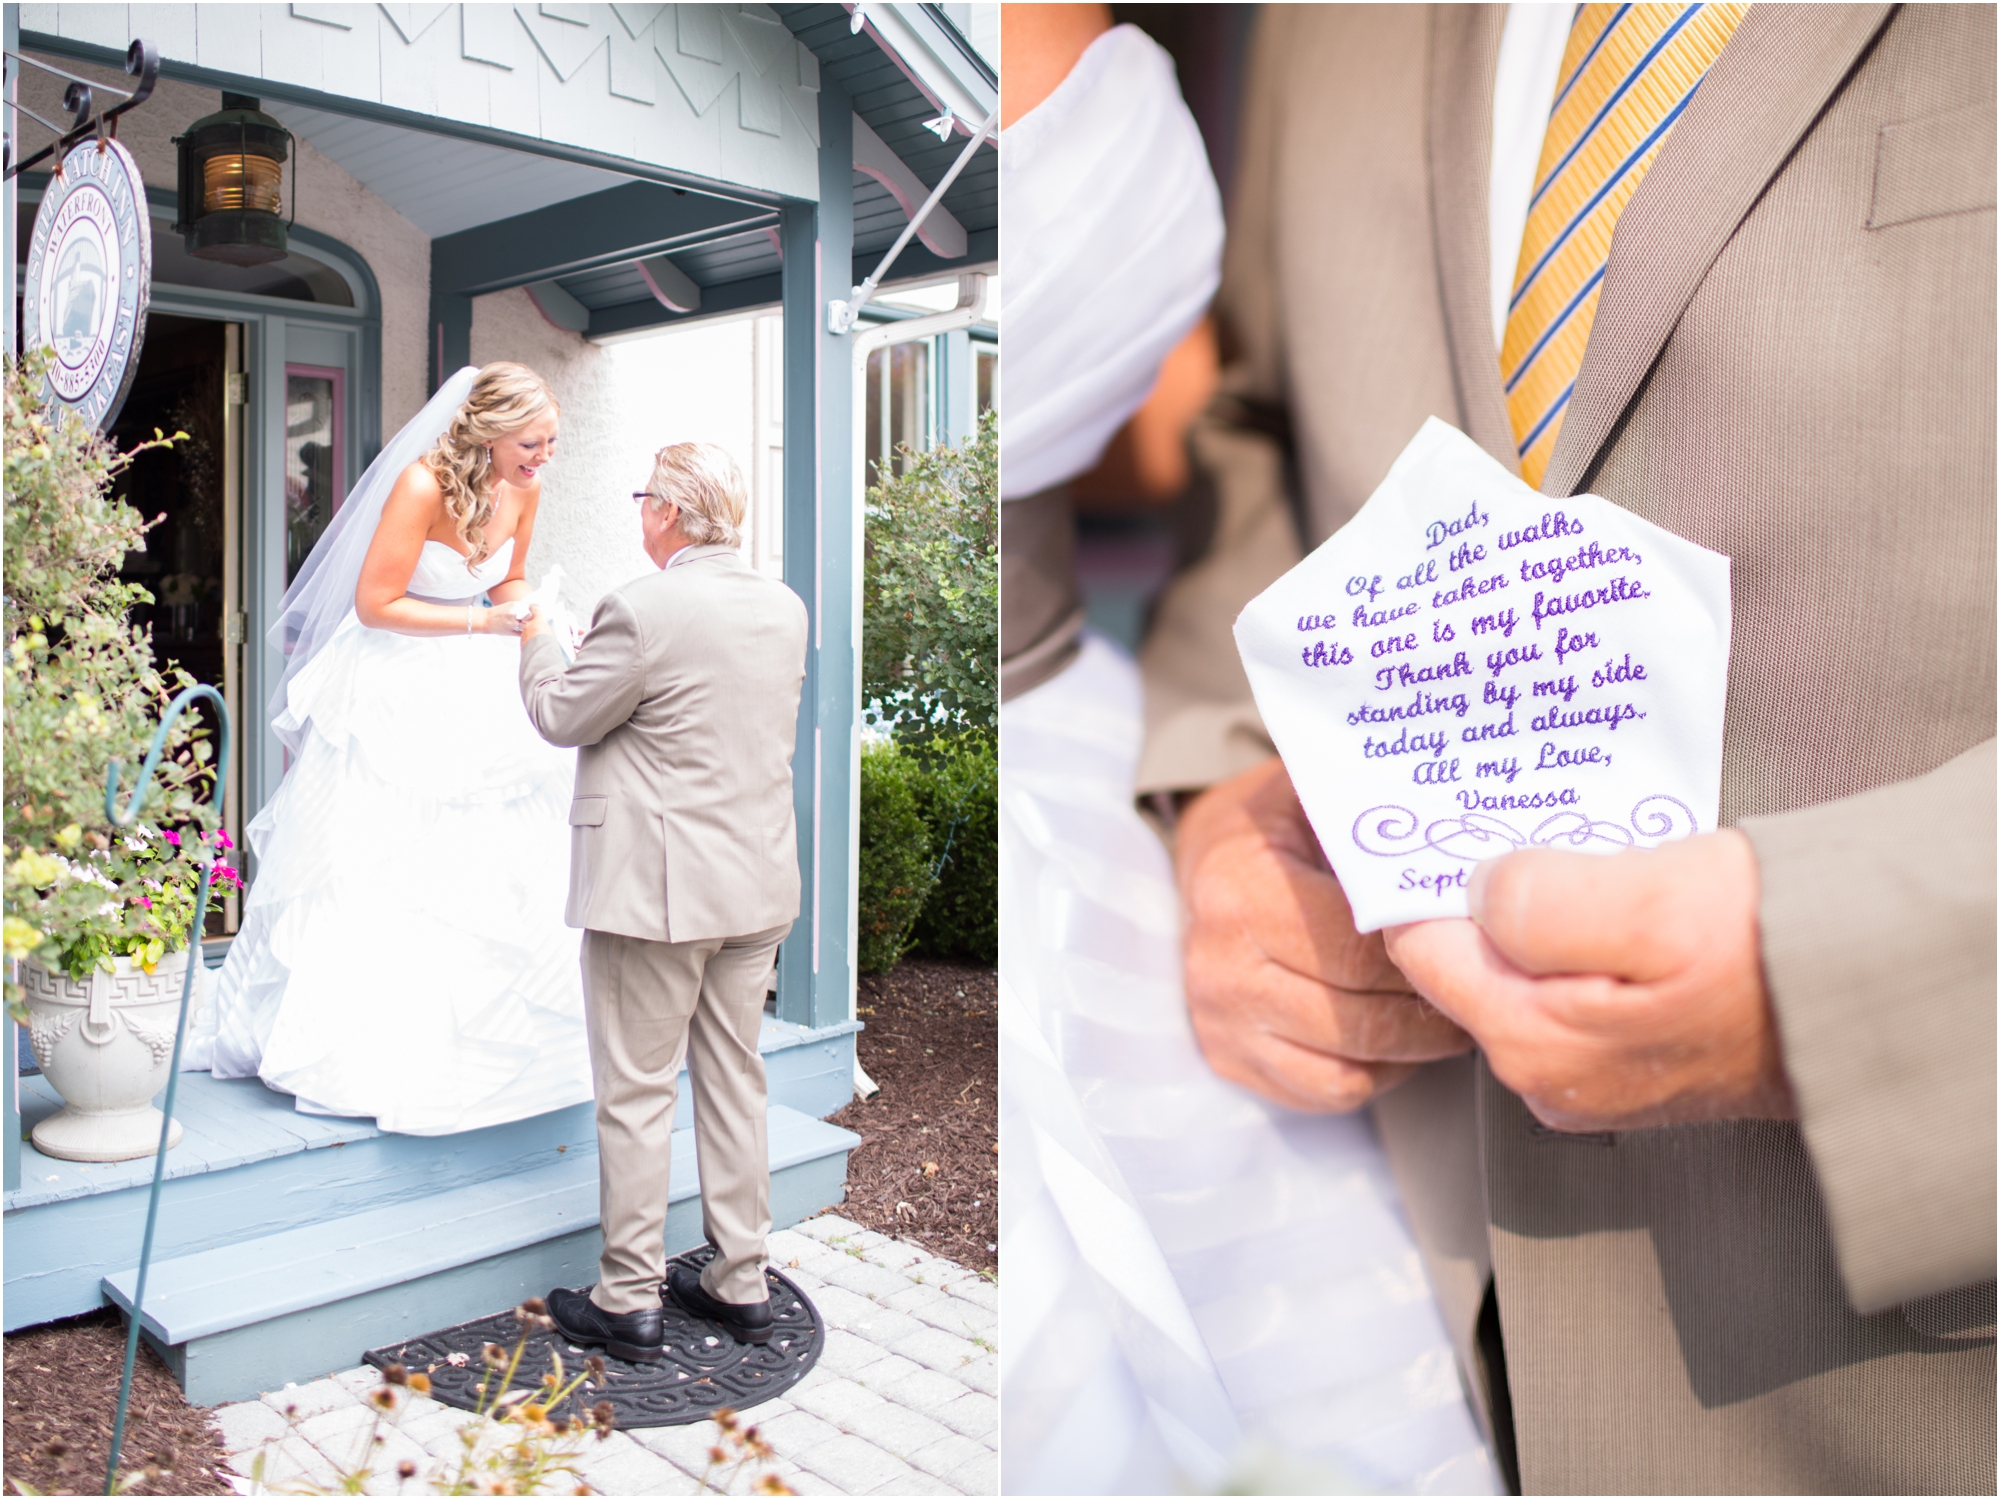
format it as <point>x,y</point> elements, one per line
<point>648,1005</point>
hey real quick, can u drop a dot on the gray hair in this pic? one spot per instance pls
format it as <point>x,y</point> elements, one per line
<point>705,482</point>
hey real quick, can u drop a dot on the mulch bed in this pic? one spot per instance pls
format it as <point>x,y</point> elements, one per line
<point>928,1168</point>
<point>62,1395</point>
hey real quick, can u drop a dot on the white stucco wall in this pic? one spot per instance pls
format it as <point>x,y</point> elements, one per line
<point>621,403</point>
<point>328,200</point>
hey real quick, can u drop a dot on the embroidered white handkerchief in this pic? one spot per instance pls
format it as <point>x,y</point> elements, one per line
<point>1469,667</point>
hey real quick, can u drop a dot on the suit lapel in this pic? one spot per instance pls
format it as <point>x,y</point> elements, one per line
<point>1465,50</point>
<point>1760,97</point>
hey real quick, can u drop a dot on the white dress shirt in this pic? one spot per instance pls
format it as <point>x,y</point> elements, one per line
<point>1524,88</point>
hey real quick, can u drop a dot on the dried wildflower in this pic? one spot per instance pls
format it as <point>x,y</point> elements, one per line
<point>406,1469</point>
<point>383,1398</point>
<point>534,1306</point>
<point>726,1419</point>
<point>420,1384</point>
<point>771,1483</point>
<point>717,1457</point>
<point>595,1365</point>
<point>395,1374</point>
<point>493,1355</point>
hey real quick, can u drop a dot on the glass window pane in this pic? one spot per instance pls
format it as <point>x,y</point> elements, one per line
<point>909,389</point>
<point>312,443</point>
<point>988,362</point>
<point>872,422</point>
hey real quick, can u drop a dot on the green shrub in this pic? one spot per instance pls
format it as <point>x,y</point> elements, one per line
<point>930,593</point>
<point>895,856</point>
<point>958,795</point>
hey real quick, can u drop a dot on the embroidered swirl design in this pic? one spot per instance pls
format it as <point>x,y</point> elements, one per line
<point>1393,832</point>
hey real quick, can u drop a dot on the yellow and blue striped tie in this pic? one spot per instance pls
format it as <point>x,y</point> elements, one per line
<point>1627,73</point>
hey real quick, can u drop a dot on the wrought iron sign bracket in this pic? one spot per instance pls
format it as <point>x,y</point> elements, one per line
<point>142,61</point>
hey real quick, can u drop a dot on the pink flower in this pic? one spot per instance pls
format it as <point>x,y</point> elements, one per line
<point>142,900</point>
<point>172,837</point>
<point>222,838</point>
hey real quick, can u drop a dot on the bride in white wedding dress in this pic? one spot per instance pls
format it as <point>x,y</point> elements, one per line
<point>403,955</point>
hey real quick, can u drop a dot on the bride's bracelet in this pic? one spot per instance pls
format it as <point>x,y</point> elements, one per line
<point>469,617</point>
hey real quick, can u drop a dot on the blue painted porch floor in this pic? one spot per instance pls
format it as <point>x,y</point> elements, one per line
<point>289,1242</point>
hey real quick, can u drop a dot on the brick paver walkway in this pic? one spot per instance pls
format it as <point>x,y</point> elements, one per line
<point>902,1401</point>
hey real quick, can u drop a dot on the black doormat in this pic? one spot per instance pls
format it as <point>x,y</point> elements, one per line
<point>703,1368</point>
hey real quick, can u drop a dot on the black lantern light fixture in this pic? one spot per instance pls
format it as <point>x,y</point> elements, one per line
<point>231,170</point>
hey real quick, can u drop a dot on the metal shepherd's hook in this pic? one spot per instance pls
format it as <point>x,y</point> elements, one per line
<point>207,859</point>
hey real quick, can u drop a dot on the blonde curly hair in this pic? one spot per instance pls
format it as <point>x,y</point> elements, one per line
<point>504,398</point>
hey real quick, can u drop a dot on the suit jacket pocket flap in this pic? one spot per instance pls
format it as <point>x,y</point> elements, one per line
<point>587,812</point>
<point>1943,163</point>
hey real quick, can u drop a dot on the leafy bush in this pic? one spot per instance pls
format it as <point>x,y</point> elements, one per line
<point>895,856</point>
<point>931,591</point>
<point>958,794</point>
<point>82,691</point>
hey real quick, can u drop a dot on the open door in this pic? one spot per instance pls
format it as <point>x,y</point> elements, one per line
<point>190,379</point>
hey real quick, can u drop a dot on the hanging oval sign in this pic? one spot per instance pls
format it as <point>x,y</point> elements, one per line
<point>89,274</point>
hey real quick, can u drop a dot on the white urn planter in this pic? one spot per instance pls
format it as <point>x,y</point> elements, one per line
<point>106,1044</point>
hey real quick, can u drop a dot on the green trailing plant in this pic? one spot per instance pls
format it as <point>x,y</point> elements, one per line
<point>931,591</point>
<point>82,690</point>
<point>958,796</point>
<point>895,856</point>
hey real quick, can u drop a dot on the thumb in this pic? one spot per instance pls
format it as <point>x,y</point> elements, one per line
<point>1549,911</point>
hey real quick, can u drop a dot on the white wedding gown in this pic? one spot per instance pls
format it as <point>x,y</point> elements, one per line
<point>403,955</point>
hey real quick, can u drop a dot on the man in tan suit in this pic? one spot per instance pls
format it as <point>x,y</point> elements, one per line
<point>1783,1281</point>
<point>684,874</point>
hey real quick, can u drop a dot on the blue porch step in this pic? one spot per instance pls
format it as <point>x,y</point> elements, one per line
<point>241,1318</point>
<point>250,1166</point>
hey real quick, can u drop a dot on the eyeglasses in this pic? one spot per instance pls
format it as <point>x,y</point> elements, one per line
<point>642,494</point>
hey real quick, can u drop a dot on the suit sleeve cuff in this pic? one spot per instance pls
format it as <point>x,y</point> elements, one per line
<point>1877,915</point>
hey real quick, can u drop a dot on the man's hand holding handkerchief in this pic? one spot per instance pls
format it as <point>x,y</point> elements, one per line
<point>547,599</point>
<point>1469,669</point>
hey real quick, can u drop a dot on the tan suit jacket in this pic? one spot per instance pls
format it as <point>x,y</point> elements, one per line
<point>684,698</point>
<point>1793,363</point>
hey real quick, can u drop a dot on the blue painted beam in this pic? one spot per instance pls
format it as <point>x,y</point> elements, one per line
<point>755,293</point>
<point>451,336</point>
<point>584,234</point>
<point>821,564</point>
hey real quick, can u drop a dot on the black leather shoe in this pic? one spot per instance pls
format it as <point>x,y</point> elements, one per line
<point>748,1322</point>
<point>636,1337</point>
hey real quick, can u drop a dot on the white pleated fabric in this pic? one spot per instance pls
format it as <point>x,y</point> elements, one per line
<point>1202,1288</point>
<point>403,955</point>
<point>1113,229</point>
